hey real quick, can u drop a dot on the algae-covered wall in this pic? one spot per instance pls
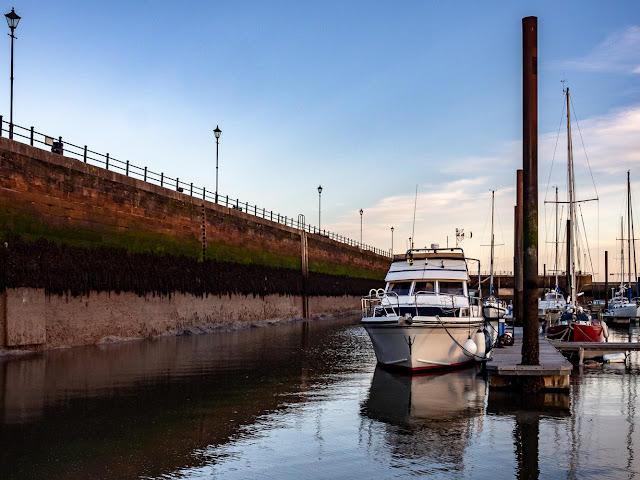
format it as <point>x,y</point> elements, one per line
<point>44,195</point>
<point>74,235</point>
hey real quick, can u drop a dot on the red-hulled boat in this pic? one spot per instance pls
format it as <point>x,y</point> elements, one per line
<point>574,325</point>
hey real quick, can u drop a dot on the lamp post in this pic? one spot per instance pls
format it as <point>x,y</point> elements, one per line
<point>361,212</point>
<point>217,133</point>
<point>392,241</point>
<point>319,207</point>
<point>12,20</point>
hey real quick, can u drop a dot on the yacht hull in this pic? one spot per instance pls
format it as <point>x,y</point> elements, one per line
<point>576,332</point>
<point>622,311</point>
<point>492,312</point>
<point>423,345</point>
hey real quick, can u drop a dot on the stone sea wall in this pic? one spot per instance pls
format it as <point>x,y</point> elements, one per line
<point>88,255</point>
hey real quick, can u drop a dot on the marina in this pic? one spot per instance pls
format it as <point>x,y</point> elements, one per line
<point>165,316</point>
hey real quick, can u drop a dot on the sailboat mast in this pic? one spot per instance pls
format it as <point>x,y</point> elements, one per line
<point>629,230</point>
<point>621,257</point>
<point>571,207</point>
<point>493,192</point>
<point>556,266</point>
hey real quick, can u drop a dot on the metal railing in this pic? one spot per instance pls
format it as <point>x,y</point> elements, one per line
<point>105,160</point>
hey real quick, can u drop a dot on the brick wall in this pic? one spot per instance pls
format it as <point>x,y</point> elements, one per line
<point>43,195</point>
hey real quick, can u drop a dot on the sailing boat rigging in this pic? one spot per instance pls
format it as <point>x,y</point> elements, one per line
<point>493,308</point>
<point>551,307</point>
<point>574,324</point>
<point>623,306</point>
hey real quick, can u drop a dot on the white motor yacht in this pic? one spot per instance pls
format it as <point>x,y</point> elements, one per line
<point>426,317</point>
<point>551,307</point>
<point>621,307</point>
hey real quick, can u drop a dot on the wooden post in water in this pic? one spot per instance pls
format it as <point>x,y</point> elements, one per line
<point>530,347</point>
<point>517,252</point>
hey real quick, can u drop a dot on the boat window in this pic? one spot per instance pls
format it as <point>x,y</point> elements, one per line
<point>400,288</point>
<point>424,287</point>
<point>451,288</point>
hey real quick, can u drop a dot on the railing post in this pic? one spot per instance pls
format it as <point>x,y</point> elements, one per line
<point>177,183</point>
<point>145,174</point>
<point>85,154</point>
<point>161,179</point>
<point>32,136</point>
<point>272,215</point>
<point>191,191</point>
<point>1,125</point>
<point>204,192</point>
<point>107,161</point>
<point>227,202</point>
<point>127,168</point>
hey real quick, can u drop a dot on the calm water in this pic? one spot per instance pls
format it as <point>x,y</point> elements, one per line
<point>302,400</point>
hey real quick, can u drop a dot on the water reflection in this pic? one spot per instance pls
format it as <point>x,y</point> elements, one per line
<point>428,417</point>
<point>303,400</point>
<point>144,408</point>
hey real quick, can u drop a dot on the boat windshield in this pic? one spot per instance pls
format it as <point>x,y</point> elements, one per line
<point>451,288</point>
<point>400,288</point>
<point>424,287</point>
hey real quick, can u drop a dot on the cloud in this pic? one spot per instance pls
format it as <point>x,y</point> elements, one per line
<point>612,142</point>
<point>620,52</point>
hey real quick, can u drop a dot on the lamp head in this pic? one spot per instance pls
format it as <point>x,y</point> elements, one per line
<point>319,188</point>
<point>12,19</point>
<point>217,132</point>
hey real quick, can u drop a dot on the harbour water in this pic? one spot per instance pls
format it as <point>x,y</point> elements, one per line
<point>300,400</point>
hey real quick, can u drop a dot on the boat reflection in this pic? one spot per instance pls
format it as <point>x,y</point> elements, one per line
<point>427,415</point>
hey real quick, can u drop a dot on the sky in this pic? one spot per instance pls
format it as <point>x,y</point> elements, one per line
<point>369,99</point>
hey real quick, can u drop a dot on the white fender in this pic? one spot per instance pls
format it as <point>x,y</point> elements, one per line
<point>470,347</point>
<point>479,340</point>
<point>605,329</point>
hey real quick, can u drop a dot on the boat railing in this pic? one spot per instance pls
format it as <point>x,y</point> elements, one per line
<point>379,298</point>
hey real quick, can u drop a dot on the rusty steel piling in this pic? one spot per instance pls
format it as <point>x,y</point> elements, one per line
<point>530,347</point>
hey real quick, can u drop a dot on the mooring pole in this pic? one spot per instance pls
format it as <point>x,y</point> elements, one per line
<point>530,347</point>
<point>517,252</point>
<point>606,280</point>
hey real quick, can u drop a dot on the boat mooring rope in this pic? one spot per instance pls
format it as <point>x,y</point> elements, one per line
<point>467,352</point>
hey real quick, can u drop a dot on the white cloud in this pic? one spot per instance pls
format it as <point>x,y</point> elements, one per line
<point>620,52</point>
<point>612,142</point>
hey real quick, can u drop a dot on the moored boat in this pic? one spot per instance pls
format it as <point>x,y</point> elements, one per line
<point>575,325</point>
<point>426,317</point>
<point>493,308</point>
<point>622,305</point>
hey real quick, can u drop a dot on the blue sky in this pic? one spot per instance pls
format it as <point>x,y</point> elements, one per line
<point>368,99</point>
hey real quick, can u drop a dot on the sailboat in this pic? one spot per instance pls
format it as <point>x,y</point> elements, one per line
<point>553,304</point>
<point>492,307</point>
<point>574,324</point>
<point>622,305</point>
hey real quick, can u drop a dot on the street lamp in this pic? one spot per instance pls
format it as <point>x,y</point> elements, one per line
<point>12,20</point>
<point>319,206</point>
<point>392,241</point>
<point>217,133</point>
<point>361,212</point>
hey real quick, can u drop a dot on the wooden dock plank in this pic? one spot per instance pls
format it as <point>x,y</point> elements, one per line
<point>506,361</point>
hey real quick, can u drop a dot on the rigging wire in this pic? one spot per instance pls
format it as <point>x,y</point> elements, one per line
<point>549,180</point>
<point>584,148</point>
<point>586,240</point>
